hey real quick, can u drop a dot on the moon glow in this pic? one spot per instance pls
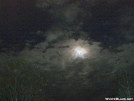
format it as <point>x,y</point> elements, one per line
<point>79,52</point>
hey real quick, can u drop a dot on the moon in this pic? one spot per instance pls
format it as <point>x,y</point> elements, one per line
<point>79,52</point>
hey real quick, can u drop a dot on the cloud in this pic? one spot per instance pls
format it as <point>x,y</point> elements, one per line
<point>71,12</point>
<point>126,23</point>
<point>57,49</point>
<point>48,3</point>
<point>53,34</point>
<point>60,55</point>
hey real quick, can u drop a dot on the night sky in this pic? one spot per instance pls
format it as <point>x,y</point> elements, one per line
<point>84,49</point>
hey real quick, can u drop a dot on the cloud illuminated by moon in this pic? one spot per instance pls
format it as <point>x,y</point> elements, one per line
<point>79,52</point>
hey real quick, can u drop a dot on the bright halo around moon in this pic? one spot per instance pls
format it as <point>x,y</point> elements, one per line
<point>79,52</point>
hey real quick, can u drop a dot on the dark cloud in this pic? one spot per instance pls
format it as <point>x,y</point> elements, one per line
<point>18,20</point>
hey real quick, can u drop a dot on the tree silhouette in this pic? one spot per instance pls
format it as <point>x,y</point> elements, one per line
<point>21,82</point>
